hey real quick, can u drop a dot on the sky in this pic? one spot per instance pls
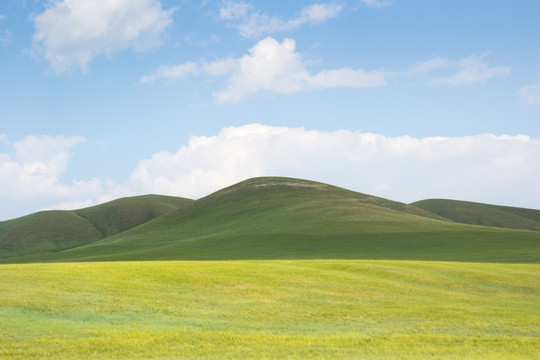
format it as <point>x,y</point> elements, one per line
<point>405,100</point>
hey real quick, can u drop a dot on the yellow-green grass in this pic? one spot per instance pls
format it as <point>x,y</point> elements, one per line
<point>326,309</point>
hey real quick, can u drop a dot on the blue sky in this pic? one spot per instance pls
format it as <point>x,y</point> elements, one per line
<point>400,99</point>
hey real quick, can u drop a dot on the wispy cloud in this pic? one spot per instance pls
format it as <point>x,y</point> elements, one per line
<point>175,72</point>
<point>376,3</point>
<point>71,33</point>
<point>252,23</point>
<point>5,34</point>
<point>270,67</point>
<point>468,70</point>
<point>530,95</point>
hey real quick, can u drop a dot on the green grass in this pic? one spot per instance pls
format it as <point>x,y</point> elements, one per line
<point>52,231</point>
<point>306,270</point>
<point>119,215</point>
<point>269,218</point>
<point>263,218</point>
<point>320,309</point>
<point>44,232</point>
<point>467,212</point>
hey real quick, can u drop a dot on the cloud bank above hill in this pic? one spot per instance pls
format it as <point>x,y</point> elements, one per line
<point>486,168</point>
<point>499,169</point>
<point>31,176</point>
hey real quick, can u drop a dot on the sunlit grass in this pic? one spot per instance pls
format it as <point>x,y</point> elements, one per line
<point>270,309</point>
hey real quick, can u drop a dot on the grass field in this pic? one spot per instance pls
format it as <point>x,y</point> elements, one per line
<point>299,270</point>
<point>326,309</point>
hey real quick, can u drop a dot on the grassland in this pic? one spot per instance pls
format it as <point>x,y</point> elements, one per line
<point>56,230</point>
<point>319,309</point>
<point>281,218</point>
<point>299,270</point>
<point>467,212</point>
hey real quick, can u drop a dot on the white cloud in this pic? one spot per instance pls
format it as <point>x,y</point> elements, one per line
<point>376,3</point>
<point>30,174</point>
<point>230,10</point>
<point>172,72</point>
<point>220,67</point>
<point>530,95</point>
<point>273,67</point>
<point>488,168</point>
<point>190,69</point>
<point>318,13</point>
<point>471,69</point>
<point>270,67</point>
<point>251,23</point>
<point>70,33</point>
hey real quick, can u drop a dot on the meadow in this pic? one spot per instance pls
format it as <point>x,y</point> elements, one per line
<point>272,268</point>
<point>270,309</point>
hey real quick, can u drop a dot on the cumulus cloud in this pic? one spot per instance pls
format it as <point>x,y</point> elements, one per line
<point>530,95</point>
<point>270,67</point>
<point>251,23</point>
<point>30,174</point>
<point>488,168</point>
<point>468,70</point>
<point>70,33</point>
<point>273,67</point>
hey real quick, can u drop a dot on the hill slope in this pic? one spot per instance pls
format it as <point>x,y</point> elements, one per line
<point>119,215</point>
<point>50,231</point>
<point>281,218</point>
<point>483,214</point>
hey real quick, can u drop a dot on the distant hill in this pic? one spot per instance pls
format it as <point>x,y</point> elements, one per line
<point>283,218</point>
<point>51,231</point>
<point>119,215</point>
<point>466,212</point>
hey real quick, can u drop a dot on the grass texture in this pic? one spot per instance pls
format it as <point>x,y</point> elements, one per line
<point>281,218</point>
<point>56,230</point>
<point>318,309</point>
<point>467,212</point>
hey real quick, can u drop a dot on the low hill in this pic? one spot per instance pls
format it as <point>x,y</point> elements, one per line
<point>282,218</point>
<point>466,212</point>
<point>44,232</point>
<point>119,215</point>
<point>51,231</point>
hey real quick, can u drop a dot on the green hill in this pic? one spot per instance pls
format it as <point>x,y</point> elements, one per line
<point>45,231</point>
<point>51,231</point>
<point>119,215</point>
<point>281,218</point>
<point>466,212</point>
